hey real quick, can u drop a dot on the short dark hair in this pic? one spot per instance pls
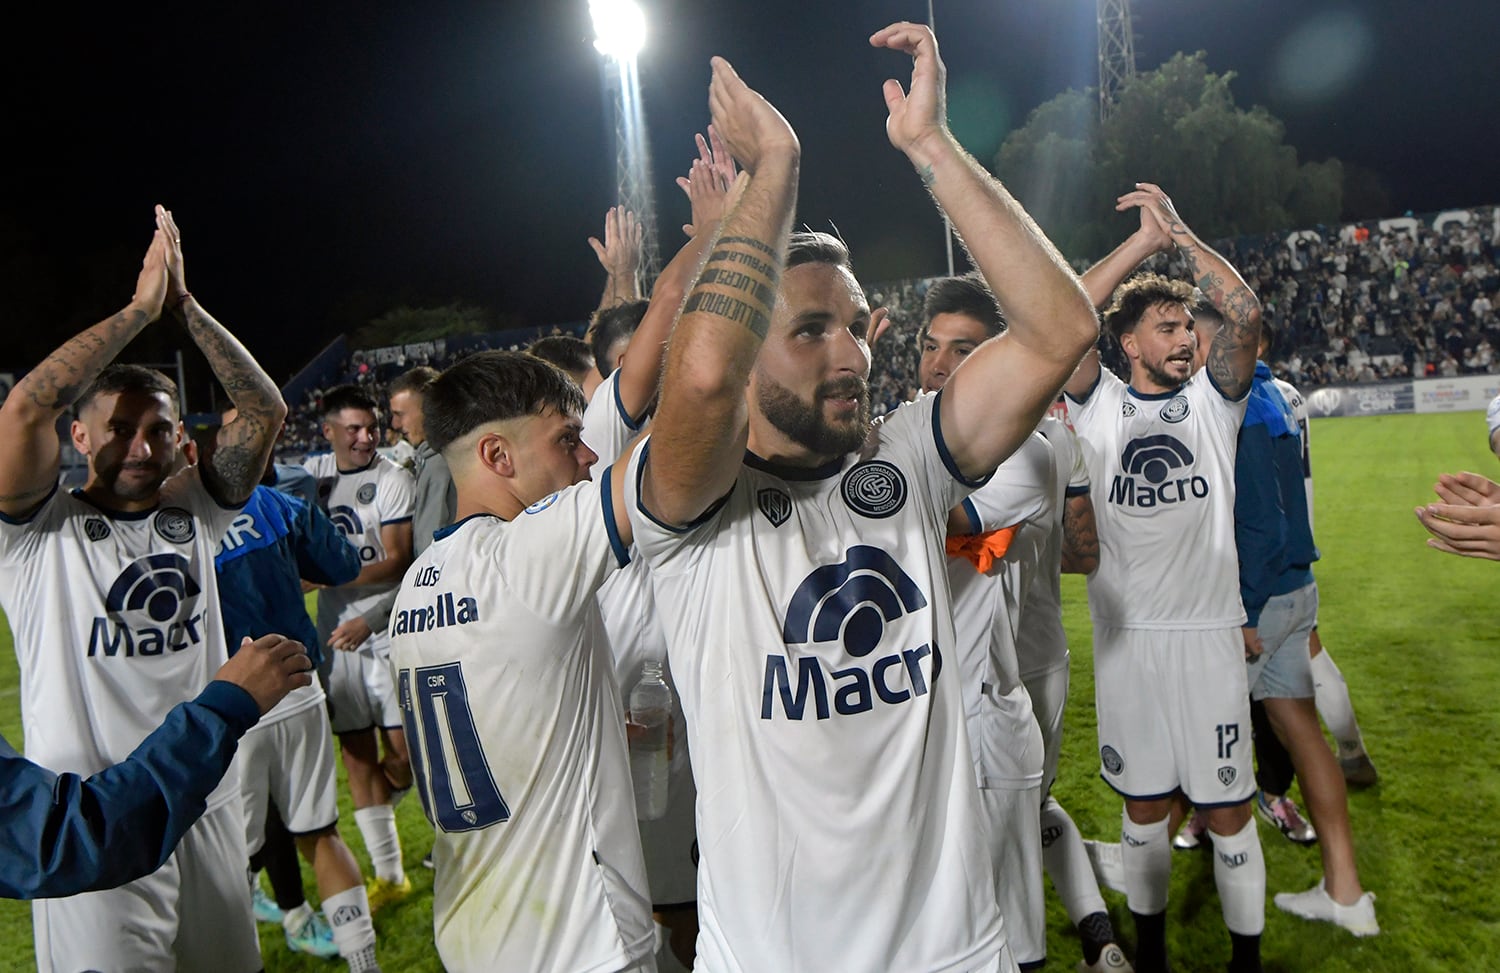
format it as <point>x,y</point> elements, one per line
<point>119,378</point>
<point>1143,291</point>
<point>565,351</point>
<point>416,380</point>
<point>812,247</point>
<point>342,397</point>
<point>493,386</point>
<point>967,294</point>
<point>610,324</point>
<point>1268,336</point>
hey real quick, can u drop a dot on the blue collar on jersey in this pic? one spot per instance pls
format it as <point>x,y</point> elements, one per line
<point>116,514</point>
<point>1153,396</point>
<point>787,472</point>
<point>361,469</point>
<point>442,532</point>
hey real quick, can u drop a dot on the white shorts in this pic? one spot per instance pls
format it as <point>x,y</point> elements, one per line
<point>193,913</point>
<point>361,690</point>
<point>1283,670</point>
<point>670,843</point>
<point>1013,818</point>
<point>290,762</point>
<point>1006,740</point>
<point>1049,701</point>
<point>1174,712</point>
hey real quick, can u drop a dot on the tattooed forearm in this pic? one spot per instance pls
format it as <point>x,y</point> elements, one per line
<point>750,281</point>
<point>746,241</point>
<point>1080,547</point>
<point>57,382</point>
<point>730,309</point>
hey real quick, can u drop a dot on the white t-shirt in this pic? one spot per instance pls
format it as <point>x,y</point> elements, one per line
<point>1041,643</point>
<point>807,621</point>
<point>116,620</point>
<point>359,502</point>
<point>1163,472</point>
<point>516,736</point>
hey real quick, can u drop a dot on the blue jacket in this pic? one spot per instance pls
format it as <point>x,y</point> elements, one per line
<point>1271,527</point>
<point>61,834</point>
<point>274,543</point>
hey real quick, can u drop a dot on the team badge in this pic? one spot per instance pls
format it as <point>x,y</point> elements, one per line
<point>1175,410</point>
<point>1127,409</point>
<point>365,493</point>
<point>345,913</point>
<point>96,529</point>
<point>1111,759</point>
<point>543,503</point>
<point>174,524</point>
<point>874,488</point>
<point>1227,774</point>
<point>775,504</point>
<point>1050,834</point>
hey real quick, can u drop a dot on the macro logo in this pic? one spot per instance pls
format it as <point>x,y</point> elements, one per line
<point>1151,465</point>
<point>150,609</point>
<point>847,607</point>
<point>346,519</point>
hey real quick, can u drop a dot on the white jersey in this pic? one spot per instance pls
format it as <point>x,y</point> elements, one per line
<point>1041,643</point>
<point>1163,469</point>
<point>807,620</point>
<point>359,502</point>
<point>1299,410</point>
<point>1003,732</point>
<point>116,620</point>
<point>518,741</point>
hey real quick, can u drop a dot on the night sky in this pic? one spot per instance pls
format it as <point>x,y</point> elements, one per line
<point>328,162</point>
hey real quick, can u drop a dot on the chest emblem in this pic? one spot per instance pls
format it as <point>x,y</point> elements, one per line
<point>366,493</point>
<point>1175,410</point>
<point>174,525</point>
<point>775,504</point>
<point>874,488</point>
<point>96,528</point>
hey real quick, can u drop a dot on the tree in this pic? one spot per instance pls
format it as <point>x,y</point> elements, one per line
<point>404,325</point>
<point>1228,169</point>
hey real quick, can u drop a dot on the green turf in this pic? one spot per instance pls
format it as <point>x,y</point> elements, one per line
<point>1411,629</point>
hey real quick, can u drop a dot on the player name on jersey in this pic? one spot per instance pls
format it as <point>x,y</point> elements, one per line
<point>446,611</point>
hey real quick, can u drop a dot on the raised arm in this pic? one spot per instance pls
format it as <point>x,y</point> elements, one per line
<point>244,444</point>
<point>620,256</point>
<point>29,454</point>
<point>1231,358</point>
<point>1100,281</point>
<point>1001,391</point>
<point>698,442</point>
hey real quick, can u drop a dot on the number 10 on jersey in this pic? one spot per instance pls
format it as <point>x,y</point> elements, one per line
<point>452,775</point>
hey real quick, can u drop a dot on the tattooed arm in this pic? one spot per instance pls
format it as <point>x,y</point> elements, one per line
<point>1080,541</point>
<point>1001,391</point>
<point>701,427</point>
<point>29,456</point>
<point>1231,357</point>
<point>244,444</point>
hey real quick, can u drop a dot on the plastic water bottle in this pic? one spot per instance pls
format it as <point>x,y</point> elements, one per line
<point>651,712</point>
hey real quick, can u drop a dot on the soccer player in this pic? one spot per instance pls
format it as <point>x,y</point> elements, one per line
<point>1275,544</point>
<point>369,499</point>
<point>275,543</point>
<point>435,499</point>
<point>573,356</point>
<point>61,834</point>
<point>111,592</point>
<point>998,566</point>
<point>801,584</point>
<point>1170,683</point>
<point>517,735</point>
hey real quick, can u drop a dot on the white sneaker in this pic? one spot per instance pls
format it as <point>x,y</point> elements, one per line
<point>1108,865</point>
<point>1111,960</point>
<point>1317,904</point>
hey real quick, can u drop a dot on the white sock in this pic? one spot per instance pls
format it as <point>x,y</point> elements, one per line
<point>377,824</point>
<point>294,919</point>
<point>1240,874</point>
<point>1067,864</point>
<point>1147,854</point>
<point>1334,705</point>
<point>348,915</point>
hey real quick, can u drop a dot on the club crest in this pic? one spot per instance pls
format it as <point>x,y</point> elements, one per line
<point>366,493</point>
<point>1175,410</point>
<point>174,524</point>
<point>775,504</point>
<point>874,488</point>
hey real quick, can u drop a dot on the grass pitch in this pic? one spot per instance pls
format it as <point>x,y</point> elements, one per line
<point>1413,632</point>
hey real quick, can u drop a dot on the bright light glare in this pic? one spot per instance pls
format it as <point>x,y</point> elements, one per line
<point>619,28</point>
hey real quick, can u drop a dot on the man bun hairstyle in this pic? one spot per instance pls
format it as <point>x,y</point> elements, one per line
<point>494,386</point>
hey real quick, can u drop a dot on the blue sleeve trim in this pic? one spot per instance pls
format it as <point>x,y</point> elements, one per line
<point>640,500</point>
<point>634,425</point>
<point>20,521</point>
<point>1226,395</point>
<point>970,511</point>
<point>1076,491</point>
<point>398,520</point>
<point>949,462</point>
<point>1088,392</point>
<point>607,502</point>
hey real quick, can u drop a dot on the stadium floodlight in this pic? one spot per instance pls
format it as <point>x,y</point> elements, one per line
<point>619,28</point>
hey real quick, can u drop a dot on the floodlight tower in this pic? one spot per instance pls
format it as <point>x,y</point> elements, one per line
<point>619,34</point>
<point>1116,52</point>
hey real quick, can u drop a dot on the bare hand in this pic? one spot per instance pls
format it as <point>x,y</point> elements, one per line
<point>708,184</point>
<point>268,668</point>
<point>918,116</point>
<point>1253,646</point>
<point>620,253</point>
<point>151,285</point>
<point>350,635</point>
<point>176,282</point>
<point>1467,489</point>
<point>880,323</point>
<point>1159,220</point>
<point>752,129</point>
<point>1469,531</point>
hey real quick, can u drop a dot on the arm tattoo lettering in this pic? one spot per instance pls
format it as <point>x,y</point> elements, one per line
<point>751,242</point>
<point>740,282</point>
<point>730,309</point>
<point>749,260</point>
